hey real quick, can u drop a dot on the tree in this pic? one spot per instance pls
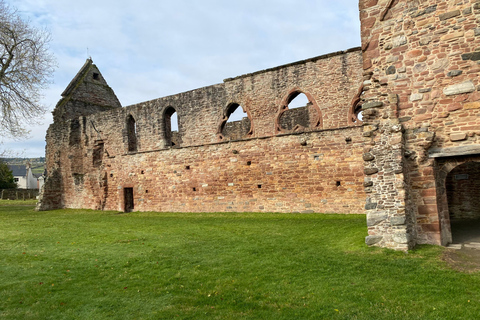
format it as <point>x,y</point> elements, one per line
<point>26,67</point>
<point>6,177</point>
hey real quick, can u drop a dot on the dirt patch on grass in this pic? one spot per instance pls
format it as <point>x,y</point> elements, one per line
<point>464,260</point>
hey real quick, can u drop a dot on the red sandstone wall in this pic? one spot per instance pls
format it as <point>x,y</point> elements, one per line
<point>421,65</point>
<point>276,174</point>
<point>314,169</point>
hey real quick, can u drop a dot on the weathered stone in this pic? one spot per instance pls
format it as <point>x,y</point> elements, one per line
<point>474,56</point>
<point>465,87</point>
<point>452,35</point>
<point>399,41</point>
<point>440,64</point>
<point>416,97</point>
<point>371,240</point>
<point>375,217</point>
<point>472,105</point>
<point>370,171</point>
<point>467,11</point>
<point>373,104</point>
<point>454,73</point>
<point>368,156</point>
<point>458,136</point>
<point>391,70</point>
<point>420,67</point>
<point>431,9</point>
<point>414,53</point>
<point>401,237</point>
<point>448,15</point>
<point>454,151</point>
<point>425,40</point>
<point>397,221</point>
<point>367,184</point>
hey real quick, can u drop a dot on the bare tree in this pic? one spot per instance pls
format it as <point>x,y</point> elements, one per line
<point>26,67</point>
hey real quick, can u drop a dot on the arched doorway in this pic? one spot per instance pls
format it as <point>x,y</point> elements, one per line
<point>462,186</point>
<point>457,181</point>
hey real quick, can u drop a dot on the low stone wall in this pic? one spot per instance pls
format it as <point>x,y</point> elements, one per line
<point>18,194</point>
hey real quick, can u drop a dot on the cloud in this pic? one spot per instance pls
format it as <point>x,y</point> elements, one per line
<point>149,49</point>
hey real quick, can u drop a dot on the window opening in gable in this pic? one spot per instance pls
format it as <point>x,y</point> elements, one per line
<point>131,134</point>
<point>96,76</point>
<point>172,132</point>
<point>235,124</point>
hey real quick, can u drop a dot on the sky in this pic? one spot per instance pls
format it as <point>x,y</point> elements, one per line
<point>147,49</point>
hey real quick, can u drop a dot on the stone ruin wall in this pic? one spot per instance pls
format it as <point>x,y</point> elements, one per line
<point>421,101</point>
<point>415,78</point>
<point>314,166</point>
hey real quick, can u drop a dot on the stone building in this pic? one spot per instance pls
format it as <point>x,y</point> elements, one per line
<point>412,165</point>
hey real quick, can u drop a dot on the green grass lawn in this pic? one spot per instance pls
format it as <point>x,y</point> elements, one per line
<point>81,264</point>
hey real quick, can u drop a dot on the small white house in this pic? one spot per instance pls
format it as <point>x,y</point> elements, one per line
<point>23,176</point>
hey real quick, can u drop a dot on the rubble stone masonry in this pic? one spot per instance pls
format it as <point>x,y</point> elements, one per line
<point>414,84</point>
<point>422,113</point>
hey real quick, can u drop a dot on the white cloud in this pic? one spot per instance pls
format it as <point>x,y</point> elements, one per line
<point>148,49</point>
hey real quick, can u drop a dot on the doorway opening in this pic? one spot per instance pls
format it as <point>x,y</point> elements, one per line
<point>462,186</point>
<point>128,199</point>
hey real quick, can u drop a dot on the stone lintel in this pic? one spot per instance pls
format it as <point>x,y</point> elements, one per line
<point>454,151</point>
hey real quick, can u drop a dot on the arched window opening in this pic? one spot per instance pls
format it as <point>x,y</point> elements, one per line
<point>357,116</point>
<point>298,113</point>
<point>131,134</point>
<point>298,100</point>
<point>463,187</point>
<point>235,124</point>
<point>172,136</point>
<point>355,113</point>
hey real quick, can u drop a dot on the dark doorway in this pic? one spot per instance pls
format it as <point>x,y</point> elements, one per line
<point>463,196</point>
<point>128,198</point>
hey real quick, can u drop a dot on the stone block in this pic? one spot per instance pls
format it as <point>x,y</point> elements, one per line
<point>370,171</point>
<point>464,87</point>
<point>372,104</point>
<point>368,156</point>
<point>399,41</point>
<point>371,240</point>
<point>414,53</point>
<point>474,56</point>
<point>397,221</point>
<point>458,136</point>
<point>454,73</point>
<point>449,15</point>
<point>376,217</point>
<point>416,97</point>
<point>452,35</point>
<point>391,70</point>
<point>401,237</point>
<point>472,105</point>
